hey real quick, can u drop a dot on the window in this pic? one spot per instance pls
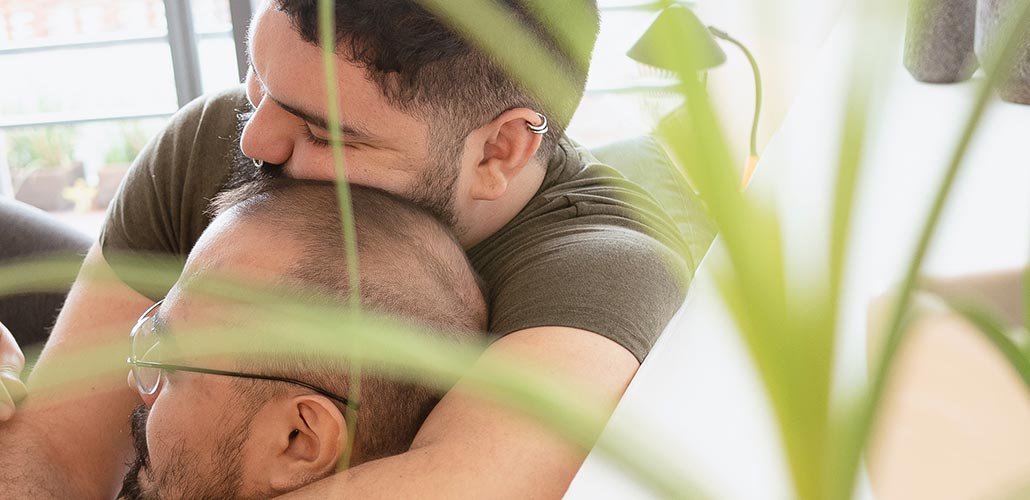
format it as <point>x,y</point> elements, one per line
<point>92,81</point>
<point>88,82</point>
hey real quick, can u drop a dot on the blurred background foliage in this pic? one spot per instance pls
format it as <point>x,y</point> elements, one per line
<point>790,331</point>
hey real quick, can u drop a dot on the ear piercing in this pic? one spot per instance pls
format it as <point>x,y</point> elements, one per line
<point>257,163</point>
<point>539,129</point>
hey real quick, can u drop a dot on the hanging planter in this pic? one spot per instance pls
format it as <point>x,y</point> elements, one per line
<point>939,40</point>
<point>1015,85</point>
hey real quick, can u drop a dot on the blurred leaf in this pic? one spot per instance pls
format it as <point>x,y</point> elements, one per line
<point>41,147</point>
<point>394,347</point>
<point>487,24</point>
<point>1019,22</point>
<point>327,38</point>
<point>845,445</point>
<point>994,331</point>
<point>784,336</point>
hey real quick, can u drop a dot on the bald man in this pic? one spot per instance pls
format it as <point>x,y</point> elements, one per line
<point>248,426</point>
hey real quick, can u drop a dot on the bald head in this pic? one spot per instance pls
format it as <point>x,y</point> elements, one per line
<point>410,266</point>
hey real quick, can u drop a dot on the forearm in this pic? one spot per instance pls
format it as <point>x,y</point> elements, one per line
<point>71,433</point>
<point>34,465</point>
<point>447,472</point>
<point>49,450</point>
<point>471,448</point>
<point>401,476</point>
<point>26,470</point>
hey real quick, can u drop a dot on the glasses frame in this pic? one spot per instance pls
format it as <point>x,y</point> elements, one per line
<point>137,363</point>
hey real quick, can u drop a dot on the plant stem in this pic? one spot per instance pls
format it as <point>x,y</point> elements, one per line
<point>995,333</point>
<point>327,39</point>
<point>895,332</point>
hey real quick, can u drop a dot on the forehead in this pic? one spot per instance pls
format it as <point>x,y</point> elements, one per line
<point>291,70</point>
<point>236,248</point>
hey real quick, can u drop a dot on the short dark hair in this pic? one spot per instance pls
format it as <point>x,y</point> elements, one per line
<point>411,266</point>
<point>422,65</point>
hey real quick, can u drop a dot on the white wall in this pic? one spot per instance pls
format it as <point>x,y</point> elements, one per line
<point>785,36</point>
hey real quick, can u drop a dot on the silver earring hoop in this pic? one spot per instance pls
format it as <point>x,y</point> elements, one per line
<point>257,163</point>
<point>539,129</point>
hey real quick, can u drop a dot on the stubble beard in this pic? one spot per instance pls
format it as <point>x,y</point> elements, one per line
<point>437,185</point>
<point>179,480</point>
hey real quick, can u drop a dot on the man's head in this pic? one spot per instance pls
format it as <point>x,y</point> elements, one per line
<point>202,435</point>
<point>425,114</point>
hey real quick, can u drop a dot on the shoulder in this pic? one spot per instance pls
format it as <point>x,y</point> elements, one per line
<point>591,251</point>
<point>614,281</point>
<point>582,199</point>
<point>192,157</point>
<point>160,206</point>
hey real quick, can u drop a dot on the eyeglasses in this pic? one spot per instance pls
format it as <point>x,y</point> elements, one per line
<point>146,365</point>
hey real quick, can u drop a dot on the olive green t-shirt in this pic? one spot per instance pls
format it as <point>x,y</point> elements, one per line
<point>590,250</point>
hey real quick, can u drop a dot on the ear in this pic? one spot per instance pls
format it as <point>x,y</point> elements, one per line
<point>508,147</point>
<point>304,437</point>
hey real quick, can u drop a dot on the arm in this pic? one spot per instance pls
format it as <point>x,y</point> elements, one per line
<point>618,286</point>
<point>75,445</point>
<point>471,449</point>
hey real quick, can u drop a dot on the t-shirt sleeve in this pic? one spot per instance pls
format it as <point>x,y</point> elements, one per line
<point>616,282</point>
<point>159,210</point>
<point>590,251</point>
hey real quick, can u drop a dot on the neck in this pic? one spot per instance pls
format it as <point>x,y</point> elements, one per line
<point>489,216</point>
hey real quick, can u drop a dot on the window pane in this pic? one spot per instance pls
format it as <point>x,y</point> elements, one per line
<point>73,69</point>
<point>102,81</point>
<point>211,16</point>
<point>73,170</point>
<point>83,57</point>
<point>217,63</point>
<point>213,26</point>
<point>33,22</point>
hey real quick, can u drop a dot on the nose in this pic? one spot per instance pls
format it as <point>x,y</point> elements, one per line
<point>270,133</point>
<point>148,399</point>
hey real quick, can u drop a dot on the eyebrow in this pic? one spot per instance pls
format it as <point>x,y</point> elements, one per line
<point>347,130</point>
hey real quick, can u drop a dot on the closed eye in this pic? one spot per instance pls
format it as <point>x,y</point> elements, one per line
<point>314,139</point>
<point>321,142</point>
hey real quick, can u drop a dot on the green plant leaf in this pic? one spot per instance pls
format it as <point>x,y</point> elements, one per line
<point>1017,23</point>
<point>994,331</point>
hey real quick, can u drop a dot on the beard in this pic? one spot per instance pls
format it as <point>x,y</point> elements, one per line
<point>179,480</point>
<point>436,186</point>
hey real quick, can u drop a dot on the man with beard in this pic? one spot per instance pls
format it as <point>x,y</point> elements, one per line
<point>218,427</point>
<point>582,269</point>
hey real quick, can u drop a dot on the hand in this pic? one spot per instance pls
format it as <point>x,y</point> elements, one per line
<point>12,361</point>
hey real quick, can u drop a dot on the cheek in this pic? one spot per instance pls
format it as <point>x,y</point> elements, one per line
<point>178,428</point>
<point>164,431</point>
<point>378,175</point>
<point>311,162</point>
